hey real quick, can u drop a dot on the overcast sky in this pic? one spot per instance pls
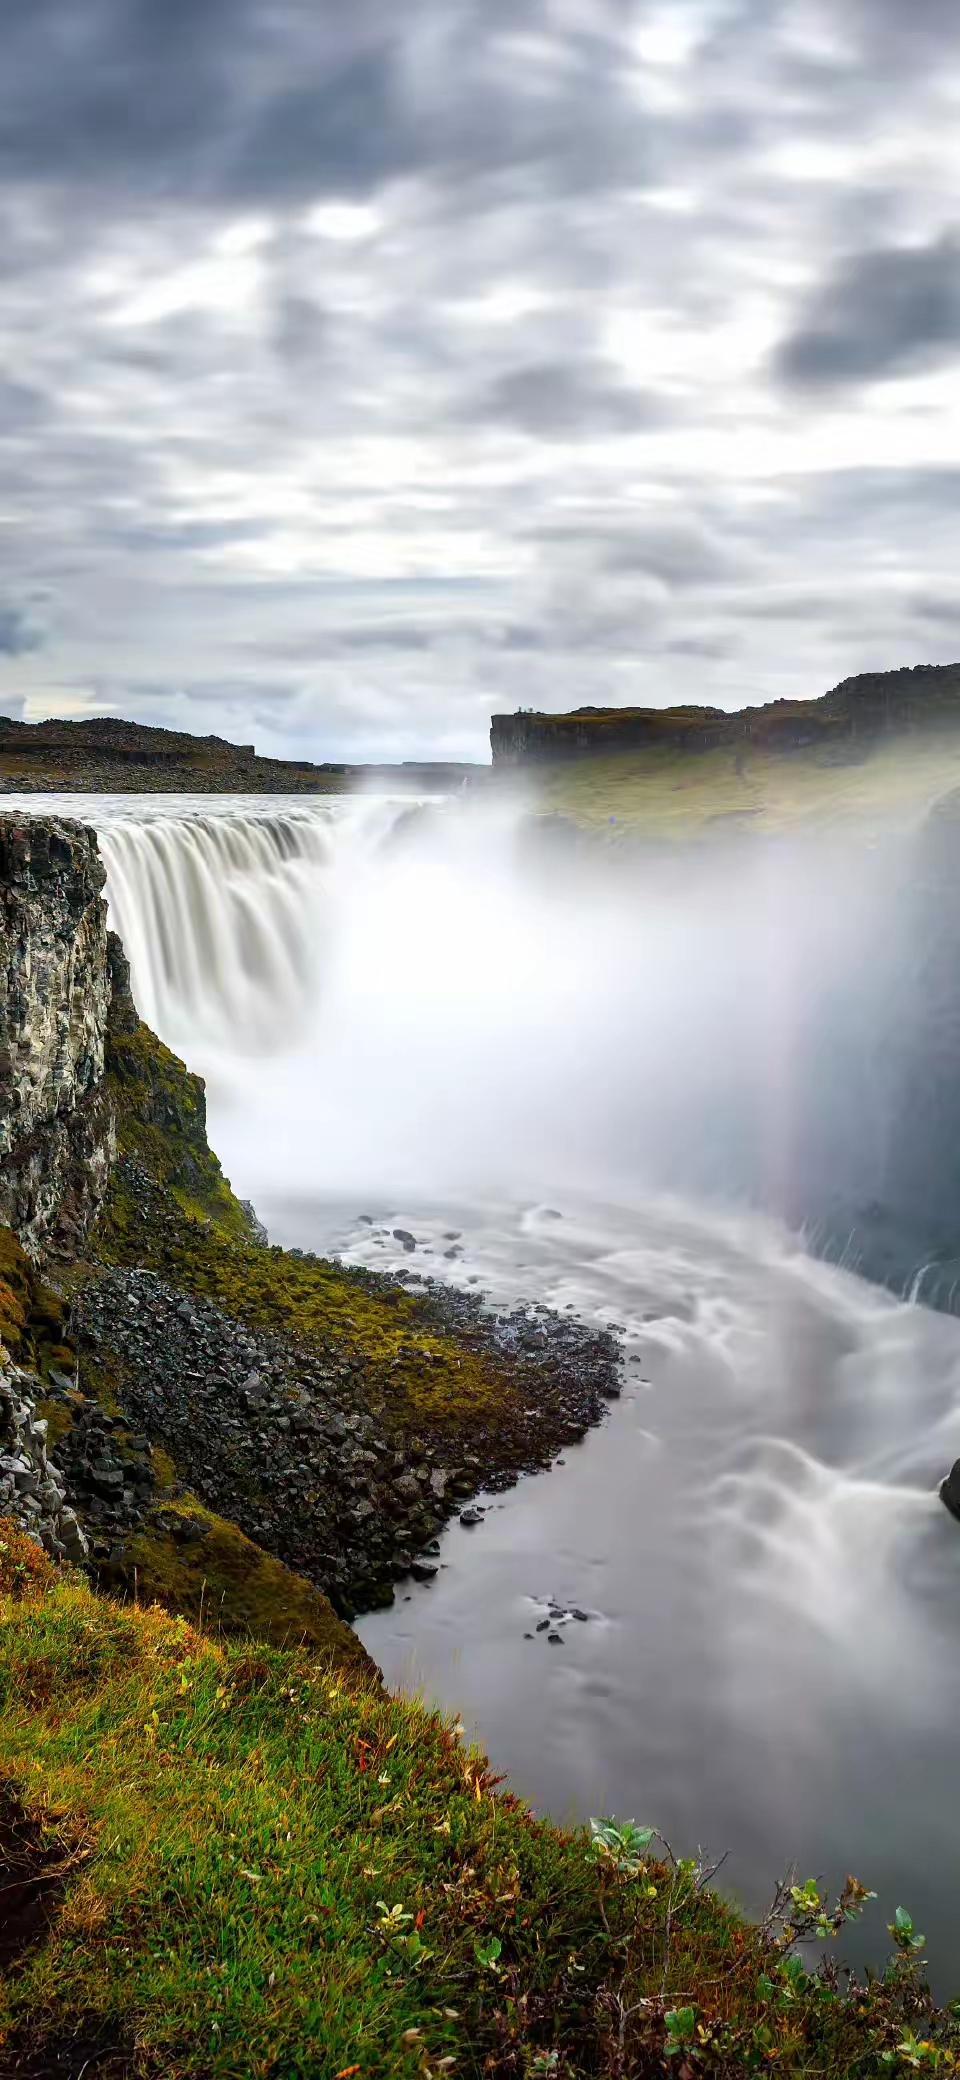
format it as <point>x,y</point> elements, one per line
<point>370,365</point>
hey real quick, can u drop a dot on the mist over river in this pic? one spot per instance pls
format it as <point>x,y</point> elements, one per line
<point>593,1090</point>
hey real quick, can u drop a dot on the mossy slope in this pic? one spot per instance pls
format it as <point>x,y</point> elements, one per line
<point>173,1212</point>
<point>161,1118</point>
<point>32,1326</point>
<point>196,1563</point>
<point>278,1872</point>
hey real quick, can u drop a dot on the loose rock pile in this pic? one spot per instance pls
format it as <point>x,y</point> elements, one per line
<point>279,1440</point>
<point>107,1468</point>
<point>33,1490</point>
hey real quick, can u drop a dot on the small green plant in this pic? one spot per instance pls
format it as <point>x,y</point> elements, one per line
<point>488,1954</point>
<point>681,2030</point>
<point>917,2053</point>
<point>393,1926</point>
<point>904,1934</point>
<point>624,1846</point>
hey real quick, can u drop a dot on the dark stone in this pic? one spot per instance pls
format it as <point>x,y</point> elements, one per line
<point>950,1490</point>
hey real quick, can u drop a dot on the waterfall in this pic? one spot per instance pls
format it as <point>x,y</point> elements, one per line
<point>221,911</point>
<point>411,1020</point>
<point>218,918</point>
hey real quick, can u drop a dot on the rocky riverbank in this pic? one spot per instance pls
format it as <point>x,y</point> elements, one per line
<point>289,1447</point>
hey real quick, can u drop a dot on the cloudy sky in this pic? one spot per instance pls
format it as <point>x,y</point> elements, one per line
<point>369,365</point>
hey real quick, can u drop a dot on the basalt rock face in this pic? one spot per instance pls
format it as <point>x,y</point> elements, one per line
<point>32,1489</point>
<point>56,1126</point>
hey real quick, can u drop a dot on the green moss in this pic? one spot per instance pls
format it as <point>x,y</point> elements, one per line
<point>417,1372</point>
<point>31,1315</point>
<point>162,1122</point>
<point>58,1417</point>
<point>226,1584</point>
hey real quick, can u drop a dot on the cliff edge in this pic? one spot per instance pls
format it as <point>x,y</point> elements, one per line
<point>858,711</point>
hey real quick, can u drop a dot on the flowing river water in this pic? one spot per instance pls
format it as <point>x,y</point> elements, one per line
<point>402,1026</point>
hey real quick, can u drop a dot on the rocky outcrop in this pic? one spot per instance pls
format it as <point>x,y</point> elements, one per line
<point>56,1129</point>
<point>842,724</point>
<point>33,1491</point>
<point>288,1444</point>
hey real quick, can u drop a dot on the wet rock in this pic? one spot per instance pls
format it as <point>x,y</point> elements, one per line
<point>404,1236</point>
<point>424,1570</point>
<point>950,1490</point>
<point>471,1517</point>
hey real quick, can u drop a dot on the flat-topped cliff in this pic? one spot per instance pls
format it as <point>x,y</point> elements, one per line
<point>857,711</point>
<point>105,755</point>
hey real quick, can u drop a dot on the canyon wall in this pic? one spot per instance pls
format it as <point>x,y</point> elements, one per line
<point>853,714</point>
<point>56,985</point>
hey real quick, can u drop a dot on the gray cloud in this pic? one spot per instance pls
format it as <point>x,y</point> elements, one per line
<point>210,99</point>
<point>565,400</point>
<point>363,369</point>
<point>20,632</point>
<point>882,313</point>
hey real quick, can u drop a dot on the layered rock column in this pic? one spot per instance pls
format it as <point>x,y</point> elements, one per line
<point>56,1126</point>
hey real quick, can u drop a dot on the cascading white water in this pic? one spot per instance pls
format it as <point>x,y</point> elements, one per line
<point>214,913</point>
<point>397,1016</point>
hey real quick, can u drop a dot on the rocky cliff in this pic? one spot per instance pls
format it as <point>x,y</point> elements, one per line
<point>855,713</point>
<point>56,1127</point>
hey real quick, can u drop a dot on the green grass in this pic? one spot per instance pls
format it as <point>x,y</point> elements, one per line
<point>665,794</point>
<point>270,1868</point>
